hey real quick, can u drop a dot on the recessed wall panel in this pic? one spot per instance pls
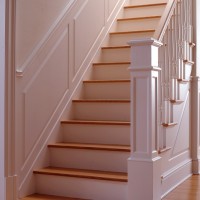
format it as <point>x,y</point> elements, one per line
<point>46,90</point>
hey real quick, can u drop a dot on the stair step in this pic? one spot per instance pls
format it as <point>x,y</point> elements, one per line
<point>121,38</point>
<point>145,5</point>
<point>84,184</point>
<point>115,54</point>
<point>138,23</point>
<point>80,173</point>
<point>144,10</point>
<point>118,47</point>
<point>48,197</point>
<point>107,81</point>
<point>112,63</point>
<point>96,122</point>
<point>110,71</point>
<point>106,89</point>
<point>139,18</point>
<point>117,110</point>
<point>101,101</point>
<point>96,132</point>
<point>89,156</point>
<point>123,148</point>
<point>132,32</point>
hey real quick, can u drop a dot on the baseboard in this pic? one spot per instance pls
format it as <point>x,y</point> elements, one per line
<point>176,176</point>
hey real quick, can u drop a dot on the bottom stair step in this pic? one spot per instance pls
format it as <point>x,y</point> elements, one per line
<point>48,197</point>
<point>83,184</point>
<point>80,173</point>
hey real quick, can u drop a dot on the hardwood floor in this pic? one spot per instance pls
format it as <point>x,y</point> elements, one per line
<point>189,190</point>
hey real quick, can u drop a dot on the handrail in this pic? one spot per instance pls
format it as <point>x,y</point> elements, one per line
<point>165,19</point>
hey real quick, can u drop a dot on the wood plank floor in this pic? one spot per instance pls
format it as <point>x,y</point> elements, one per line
<point>189,190</point>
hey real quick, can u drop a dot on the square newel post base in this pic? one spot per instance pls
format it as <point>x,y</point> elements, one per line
<point>144,179</point>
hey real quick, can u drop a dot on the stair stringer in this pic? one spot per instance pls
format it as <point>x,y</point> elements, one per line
<point>38,157</point>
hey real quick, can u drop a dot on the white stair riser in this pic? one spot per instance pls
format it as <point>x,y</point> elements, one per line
<point>81,188</point>
<point>107,90</point>
<point>99,134</point>
<point>115,55</point>
<point>102,111</point>
<point>102,160</point>
<point>136,25</point>
<point>143,11</point>
<point>111,72</point>
<point>123,39</point>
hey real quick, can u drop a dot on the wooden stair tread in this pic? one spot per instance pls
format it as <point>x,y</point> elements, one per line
<point>48,197</point>
<point>131,32</point>
<point>108,81</point>
<point>83,173</point>
<point>117,47</point>
<point>188,62</point>
<point>145,5</point>
<point>96,122</point>
<point>112,63</point>
<point>101,101</point>
<point>183,80</point>
<point>176,101</point>
<point>106,147</point>
<point>139,18</point>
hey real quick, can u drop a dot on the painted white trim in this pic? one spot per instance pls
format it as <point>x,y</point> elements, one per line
<point>176,176</point>
<point>2,98</point>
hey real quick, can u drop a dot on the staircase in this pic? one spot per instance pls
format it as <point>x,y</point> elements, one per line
<point>91,161</point>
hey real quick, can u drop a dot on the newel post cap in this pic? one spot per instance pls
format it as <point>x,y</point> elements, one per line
<point>145,42</point>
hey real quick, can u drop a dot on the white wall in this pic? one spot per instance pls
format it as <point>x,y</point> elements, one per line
<point>2,95</point>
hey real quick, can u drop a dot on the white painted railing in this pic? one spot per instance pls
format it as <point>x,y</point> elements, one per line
<point>160,81</point>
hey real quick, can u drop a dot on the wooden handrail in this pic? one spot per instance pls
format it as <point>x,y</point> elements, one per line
<point>165,19</point>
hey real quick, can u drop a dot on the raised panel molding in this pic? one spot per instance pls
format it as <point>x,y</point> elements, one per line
<point>44,92</point>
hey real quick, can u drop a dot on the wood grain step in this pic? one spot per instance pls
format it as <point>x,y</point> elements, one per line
<point>122,148</point>
<point>48,197</point>
<point>120,123</point>
<point>107,81</point>
<point>112,63</point>
<point>183,81</point>
<point>139,18</point>
<point>101,101</point>
<point>132,32</point>
<point>118,47</point>
<point>80,173</point>
<point>166,125</point>
<point>145,5</point>
<point>176,101</point>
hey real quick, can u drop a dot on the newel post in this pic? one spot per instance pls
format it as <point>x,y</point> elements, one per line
<point>144,164</point>
<point>195,135</point>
